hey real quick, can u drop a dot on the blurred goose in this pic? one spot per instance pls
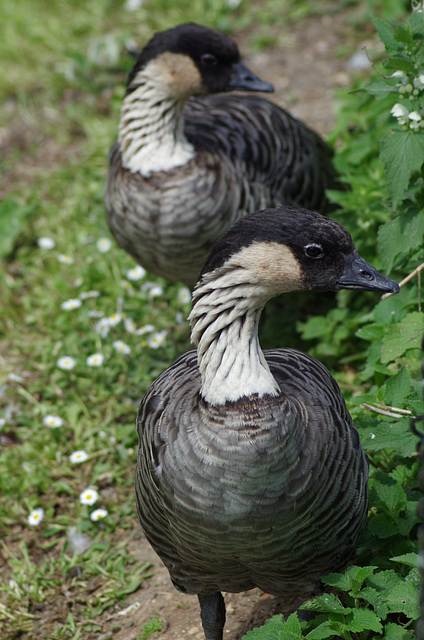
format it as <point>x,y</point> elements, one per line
<point>250,472</point>
<point>185,168</point>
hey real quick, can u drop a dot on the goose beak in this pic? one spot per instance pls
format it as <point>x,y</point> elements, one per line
<point>245,79</point>
<point>359,274</point>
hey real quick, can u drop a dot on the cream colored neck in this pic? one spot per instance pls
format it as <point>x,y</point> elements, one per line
<point>151,132</point>
<point>224,323</point>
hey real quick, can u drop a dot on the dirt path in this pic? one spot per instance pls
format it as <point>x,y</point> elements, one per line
<point>305,75</point>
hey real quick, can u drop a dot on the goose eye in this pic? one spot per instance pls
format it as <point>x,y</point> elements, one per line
<point>208,60</point>
<point>313,250</point>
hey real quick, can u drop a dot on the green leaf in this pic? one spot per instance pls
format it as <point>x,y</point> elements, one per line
<point>402,153</point>
<point>382,526</point>
<point>390,435</point>
<point>410,559</point>
<point>380,89</point>
<point>386,34</point>
<point>407,334</point>
<point>326,603</point>
<point>13,218</point>
<point>277,629</point>
<point>403,34</point>
<point>391,496</point>
<point>403,598</point>
<point>371,332</point>
<point>361,619</point>
<point>400,63</point>
<point>400,235</point>
<point>326,629</point>
<point>394,631</point>
<point>398,388</point>
<point>372,596</point>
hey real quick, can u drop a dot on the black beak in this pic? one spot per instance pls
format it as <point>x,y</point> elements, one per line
<point>360,274</point>
<point>245,79</point>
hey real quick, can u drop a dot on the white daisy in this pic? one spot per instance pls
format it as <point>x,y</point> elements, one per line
<point>72,303</point>
<point>89,496</point>
<point>95,360</point>
<point>46,243</point>
<point>103,245</point>
<point>53,422</point>
<point>64,259</point>
<point>35,517</point>
<point>66,362</point>
<point>98,514</point>
<point>136,273</point>
<point>103,327</point>
<point>114,319</point>
<point>130,325</point>
<point>184,295</point>
<point>121,346</point>
<point>156,339</point>
<point>148,328</point>
<point>78,456</point>
<point>155,291</point>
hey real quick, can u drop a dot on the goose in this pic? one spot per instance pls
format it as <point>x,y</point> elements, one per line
<point>191,158</point>
<point>250,472</point>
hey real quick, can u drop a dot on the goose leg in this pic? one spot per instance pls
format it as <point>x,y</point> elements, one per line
<point>212,612</point>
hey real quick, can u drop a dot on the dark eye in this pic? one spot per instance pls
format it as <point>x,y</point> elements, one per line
<point>313,250</point>
<point>208,60</point>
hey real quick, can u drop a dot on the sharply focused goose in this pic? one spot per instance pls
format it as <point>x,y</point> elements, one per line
<point>185,168</point>
<point>250,472</point>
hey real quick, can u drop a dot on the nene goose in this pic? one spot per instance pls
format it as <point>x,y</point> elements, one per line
<point>185,168</point>
<point>250,472</point>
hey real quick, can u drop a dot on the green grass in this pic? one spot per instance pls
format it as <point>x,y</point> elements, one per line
<point>60,100</point>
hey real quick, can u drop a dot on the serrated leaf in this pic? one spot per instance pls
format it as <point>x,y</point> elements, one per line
<point>399,63</point>
<point>325,630</point>
<point>402,153</point>
<point>390,435</point>
<point>398,236</point>
<point>338,580</point>
<point>410,559</point>
<point>361,619</point>
<point>358,575</point>
<point>372,596</point>
<point>13,218</point>
<point>382,527</point>
<point>407,334</point>
<point>391,495</point>
<point>371,332</point>
<point>403,34</point>
<point>277,629</point>
<point>386,34</point>
<point>384,581</point>
<point>326,603</point>
<point>394,631</point>
<point>380,89</point>
<point>403,598</point>
<point>398,388</point>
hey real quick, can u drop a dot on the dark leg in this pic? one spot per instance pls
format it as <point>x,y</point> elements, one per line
<point>212,612</point>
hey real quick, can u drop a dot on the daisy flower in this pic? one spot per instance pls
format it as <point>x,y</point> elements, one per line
<point>46,243</point>
<point>156,339</point>
<point>114,319</point>
<point>103,245</point>
<point>35,517</point>
<point>148,328</point>
<point>98,514</point>
<point>89,294</point>
<point>103,327</point>
<point>121,346</point>
<point>64,259</point>
<point>136,273</point>
<point>53,422</point>
<point>89,496</point>
<point>95,360</point>
<point>71,304</point>
<point>130,325</point>
<point>155,291</point>
<point>78,456</point>
<point>184,295</point>
<point>127,286</point>
<point>66,362</point>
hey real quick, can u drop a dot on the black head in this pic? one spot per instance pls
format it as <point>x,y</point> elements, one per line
<point>300,246</point>
<point>215,56</point>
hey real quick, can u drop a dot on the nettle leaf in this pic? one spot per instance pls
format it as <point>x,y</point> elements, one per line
<point>372,596</point>
<point>276,628</point>
<point>394,631</point>
<point>386,34</point>
<point>325,630</point>
<point>391,495</point>
<point>382,526</point>
<point>380,89</point>
<point>400,235</point>
<point>361,619</point>
<point>410,559</point>
<point>407,334</point>
<point>371,332</point>
<point>404,34</point>
<point>403,598</point>
<point>390,435</point>
<point>398,388</point>
<point>326,603</point>
<point>400,63</point>
<point>402,153</point>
